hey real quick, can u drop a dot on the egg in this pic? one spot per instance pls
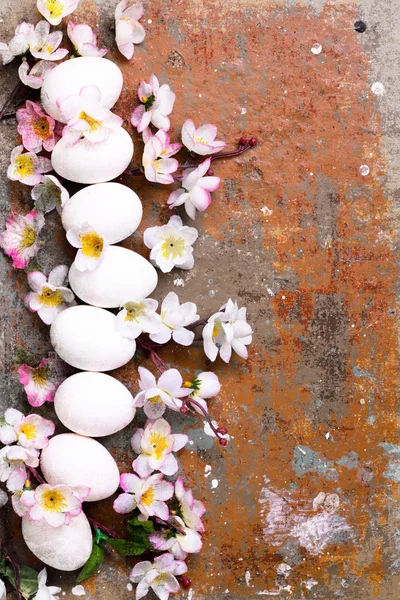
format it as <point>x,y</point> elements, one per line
<point>69,77</point>
<point>86,338</point>
<point>110,208</point>
<point>66,548</point>
<point>86,162</point>
<point>73,459</point>
<point>94,404</point>
<point>121,276</point>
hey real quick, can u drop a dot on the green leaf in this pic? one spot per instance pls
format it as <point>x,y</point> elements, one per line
<point>2,567</point>
<point>100,536</point>
<point>147,526</point>
<point>127,547</point>
<point>92,564</point>
<point>28,579</point>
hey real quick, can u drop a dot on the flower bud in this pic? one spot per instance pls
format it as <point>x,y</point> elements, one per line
<point>184,409</point>
<point>185,581</point>
<point>210,172</point>
<point>222,430</point>
<point>223,442</point>
<point>242,141</point>
<point>253,142</point>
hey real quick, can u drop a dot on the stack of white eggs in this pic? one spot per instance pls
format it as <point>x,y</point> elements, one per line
<point>91,403</point>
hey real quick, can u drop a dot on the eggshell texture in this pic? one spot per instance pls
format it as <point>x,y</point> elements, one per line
<point>85,162</point>
<point>69,77</point>
<point>66,548</point>
<point>110,208</point>
<point>77,460</point>
<point>86,338</point>
<point>122,276</point>
<point>94,404</point>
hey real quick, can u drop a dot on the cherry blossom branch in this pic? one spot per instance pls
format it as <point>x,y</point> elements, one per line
<point>8,556</point>
<point>107,530</point>
<point>10,98</point>
<point>218,431</point>
<point>39,478</point>
<point>168,525</point>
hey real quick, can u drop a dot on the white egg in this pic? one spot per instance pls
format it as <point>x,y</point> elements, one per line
<point>66,548</point>
<point>73,459</point>
<point>112,209</point>
<point>86,338</point>
<point>69,77</point>
<point>121,276</point>
<point>85,162</point>
<point>94,404</point>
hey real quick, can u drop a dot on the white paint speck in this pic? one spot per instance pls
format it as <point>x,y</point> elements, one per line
<point>301,450</point>
<point>207,470</point>
<point>316,49</point>
<point>378,88</point>
<point>190,595</point>
<point>364,170</point>
<point>149,21</point>
<point>243,111</point>
<point>266,211</point>
<point>211,293</point>
<point>78,590</point>
<point>283,569</point>
<point>310,583</point>
<point>179,282</point>
<point>247,577</point>
<point>327,435</point>
<point>214,484</point>
<point>129,587</point>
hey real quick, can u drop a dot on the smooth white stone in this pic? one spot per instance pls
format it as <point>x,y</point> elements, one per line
<point>85,162</point>
<point>77,460</point>
<point>112,209</point>
<point>69,77</point>
<point>86,338</point>
<point>122,276</point>
<point>94,404</point>
<point>66,548</point>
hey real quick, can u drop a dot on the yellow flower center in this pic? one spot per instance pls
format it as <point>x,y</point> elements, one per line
<point>155,400</point>
<point>134,310</point>
<point>215,331</point>
<point>29,430</point>
<point>49,49</point>
<point>54,7</point>
<point>200,140</point>
<point>162,578</point>
<point>53,501</point>
<point>148,497</point>
<point>187,384</point>
<point>50,297</point>
<point>40,376</point>
<point>92,244</point>
<point>93,124</point>
<point>173,247</point>
<point>144,99</point>
<point>40,127</point>
<point>159,444</point>
<point>24,166</point>
<point>28,238</point>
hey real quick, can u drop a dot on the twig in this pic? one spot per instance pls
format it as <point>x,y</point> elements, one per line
<point>107,530</point>
<point>8,556</point>
<point>10,99</point>
<point>168,525</point>
<point>36,475</point>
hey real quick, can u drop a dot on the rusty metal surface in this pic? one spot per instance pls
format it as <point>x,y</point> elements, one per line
<point>309,246</point>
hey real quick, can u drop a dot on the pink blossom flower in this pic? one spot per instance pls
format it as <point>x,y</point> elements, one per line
<point>39,382</point>
<point>20,509</point>
<point>49,194</point>
<point>55,10</point>
<point>91,246</point>
<point>34,77</point>
<point>156,396</point>
<point>55,504</point>
<point>202,140</point>
<point>27,168</point>
<point>30,432</point>
<point>195,190</point>
<point>44,45</point>
<point>128,30</point>
<point>187,542</point>
<point>175,317</point>
<point>158,576</point>
<point>155,445</point>
<point>86,117</point>
<point>13,462</point>
<point>171,244</point>
<point>84,40</point>
<point>18,45</point>
<point>148,495</point>
<point>157,103</point>
<point>48,297</point>
<point>36,128</point>
<point>191,510</point>
<point>20,240</point>
<point>156,162</point>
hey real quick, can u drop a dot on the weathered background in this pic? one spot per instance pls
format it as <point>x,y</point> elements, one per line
<point>297,235</point>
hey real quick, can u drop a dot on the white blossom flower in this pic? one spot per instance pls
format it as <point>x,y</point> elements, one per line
<point>49,194</point>
<point>20,509</point>
<point>155,446</point>
<point>27,167</point>
<point>157,103</point>
<point>55,10</point>
<point>195,190</point>
<point>46,592</point>
<point>91,246</point>
<point>225,330</point>
<point>201,140</point>
<point>84,40</point>
<point>136,317</point>
<point>13,462</point>
<point>182,544</point>
<point>156,160</point>
<point>86,117</point>
<point>3,591</point>
<point>155,396</point>
<point>56,504</point>
<point>49,297</point>
<point>19,44</point>
<point>45,45</point>
<point>128,30</point>
<point>147,494</point>
<point>158,576</point>
<point>30,432</point>
<point>191,510</point>
<point>205,385</point>
<point>34,77</point>
<point>171,245</point>
<point>175,318</point>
